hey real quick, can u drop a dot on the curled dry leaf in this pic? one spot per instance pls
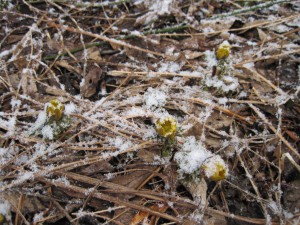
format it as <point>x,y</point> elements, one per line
<point>91,81</point>
<point>94,54</point>
<point>198,190</point>
<point>143,216</point>
<point>66,65</point>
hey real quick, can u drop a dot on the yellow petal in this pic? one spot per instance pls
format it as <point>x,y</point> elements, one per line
<point>55,109</point>
<point>166,127</point>
<point>215,168</point>
<point>223,51</point>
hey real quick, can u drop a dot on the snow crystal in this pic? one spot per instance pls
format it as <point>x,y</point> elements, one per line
<point>70,108</point>
<point>3,151</point>
<point>274,207</point>
<point>150,132</point>
<point>62,180</point>
<point>208,30</point>
<point>135,111</point>
<point>287,214</point>
<point>119,142</point>
<point>133,99</point>
<point>151,75</point>
<point>210,57</point>
<point>22,159</point>
<point>154,98</point>
<point>24,177</point>
<point>41,120</point>
<point>40,148</point>
<point>47,132</point>
<point>171,204</point>
<point>232,83</point>
<point>170,50</point>
<point>196,216</point>
<point>275,8</point>
<point>270,148</point>
<point>204,115</point>
<point>223,100</point>
<point>5,209</point>
<point>114,28</point>
<point>167,186</point>
<point>171,67</point>
<point>268,219</point>
<point>228,83</point>
<point>280,28</point>
<point>251,43</point>
<point>191,156</point>
<point>282,99</point>
<point>242,94</point>
<point>11,123</point>
<point>161,7</point>
<point>279,113</point>
<point>109,176</point>
<point>294,23</point>
<point>15,103</point>
<point>249,65</point>
<point>135,32</point>
<point>38,216</point>
<point>5,53</point>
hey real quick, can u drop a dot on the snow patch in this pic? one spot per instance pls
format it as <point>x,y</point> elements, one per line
<point>48,132</point>
<point>154,98</point>
<point>70,108</point>
<point>191,156</point>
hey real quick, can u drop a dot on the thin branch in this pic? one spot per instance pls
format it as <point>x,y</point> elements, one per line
<point>249,9</point>
<point>126,37</point>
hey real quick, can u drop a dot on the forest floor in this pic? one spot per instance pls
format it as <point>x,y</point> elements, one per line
<point>149,112</point>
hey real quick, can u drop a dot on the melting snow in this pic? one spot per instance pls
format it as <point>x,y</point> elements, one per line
<point>191,156</point>
<point>154,98</point>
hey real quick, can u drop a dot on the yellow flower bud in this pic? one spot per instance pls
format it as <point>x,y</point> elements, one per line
<point>224,50</point>
<point>167,127</point>
<point>2,218</point>
<point>55,109</point>
<point>215,168</point>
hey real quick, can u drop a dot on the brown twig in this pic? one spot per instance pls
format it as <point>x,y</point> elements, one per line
<point>104,38</point>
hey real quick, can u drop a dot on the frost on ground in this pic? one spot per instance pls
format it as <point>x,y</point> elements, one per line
<point>191,156</point>
<point>215,84</point>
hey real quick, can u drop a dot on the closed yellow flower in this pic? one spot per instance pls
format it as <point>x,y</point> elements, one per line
<point>55,109</point>
<point>167,127</point>
<point>2,218</point>
<point>223,51</point>
<point>215,168</point>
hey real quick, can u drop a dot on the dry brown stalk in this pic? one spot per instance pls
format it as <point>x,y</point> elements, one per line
<point>104,38</point>
<point>259,76</point>
<point>261,24</point>
<point>211,211</point>
<point>152,195</point>
<point>240,65</point>
<point>105,197</point>
<point>278,134</point>
<point>221,109</point>
<point>122,73</point>
<point>56,203</point>
<point>254,186</point>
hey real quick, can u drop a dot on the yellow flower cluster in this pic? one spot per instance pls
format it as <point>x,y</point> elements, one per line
<point>167,127</point>
<point>223,51</point>
<point>55,109</point>
<point>215,168</point>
